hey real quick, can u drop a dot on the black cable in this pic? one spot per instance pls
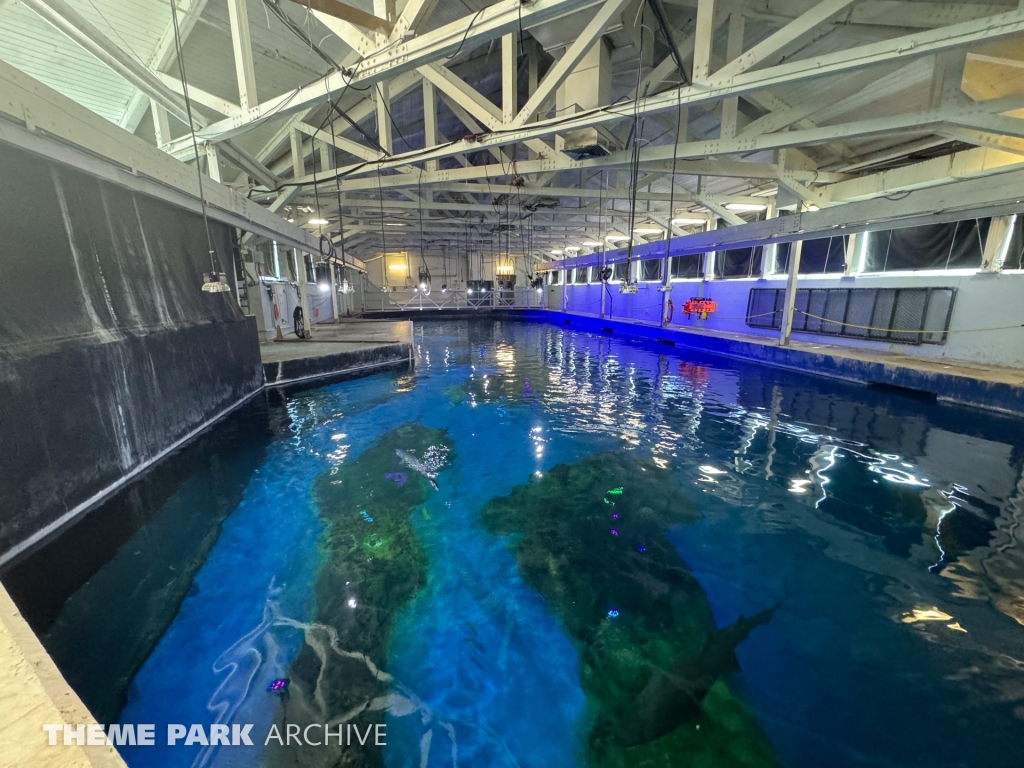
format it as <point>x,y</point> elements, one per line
<point>192,130</point>
<point>659,14</point>
<point>672,184</point>
<point>471,23</point>
<point>285,19</point>
<point>384,103</point>
<point>337,186</point>
<point>636,130</point>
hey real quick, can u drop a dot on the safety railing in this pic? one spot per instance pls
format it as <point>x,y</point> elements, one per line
<point>469,300</point>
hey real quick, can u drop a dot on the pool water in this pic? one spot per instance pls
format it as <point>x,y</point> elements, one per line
<point>633,556</point>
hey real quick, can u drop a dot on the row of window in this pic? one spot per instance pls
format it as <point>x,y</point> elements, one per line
<point>954,245</point>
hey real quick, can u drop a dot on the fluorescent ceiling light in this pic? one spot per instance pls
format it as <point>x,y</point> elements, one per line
<point>591,244</point>
<point>556,253</point>
<point>317,222</point>
<point>813,207</point>
<point>617,238</point>
<point>393,224</point>
<point>648,231</point>
<point>745,207</point>
<point>688,222</point>
<point>397,267</point>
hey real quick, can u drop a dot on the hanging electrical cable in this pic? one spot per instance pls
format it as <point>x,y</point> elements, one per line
<point>424,271</point>
<point>629,285</point>
<point>672,187</point>
<point>214,281</point>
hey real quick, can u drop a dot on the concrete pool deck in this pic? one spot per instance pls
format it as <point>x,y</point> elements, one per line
<point>345,347</point>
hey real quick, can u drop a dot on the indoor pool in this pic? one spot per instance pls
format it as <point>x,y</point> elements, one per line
<point>546,549</point>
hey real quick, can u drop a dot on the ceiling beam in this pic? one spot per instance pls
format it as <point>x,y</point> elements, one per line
<point>490,23</point>
<point>164,54</point>
<point>790,35</point>
<point>72,24</point>
<point>346,12</point>
<point>412,16</point>
<point>850,60</point>
<point>241,47</point>
<point>573,55</point>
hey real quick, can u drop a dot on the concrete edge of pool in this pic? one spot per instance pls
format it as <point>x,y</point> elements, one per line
<point>35,692</point>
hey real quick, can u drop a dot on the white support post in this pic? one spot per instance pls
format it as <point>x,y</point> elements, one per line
<point>213,162</point>
<point>241,44</point>
<point>326,156</point>
<point>334,290</point>
<point>666,277</point>
<point>791,283</point>
<point>851,260</point>
<point>161,125</point>
<point>298,155</point>
<point>703,38</point>
<point>771,251</point>
<point>302,280</point>
<point>382,99</point>
<point>429,121</point>
<point>1000,233</point>
<point>730,107</point>
<point>509,77</point>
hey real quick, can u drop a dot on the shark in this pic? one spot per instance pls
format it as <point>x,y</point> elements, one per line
<point>673,697</point>
<point>417,466</point>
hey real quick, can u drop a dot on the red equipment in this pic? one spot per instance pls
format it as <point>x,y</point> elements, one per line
<point>698,306</point>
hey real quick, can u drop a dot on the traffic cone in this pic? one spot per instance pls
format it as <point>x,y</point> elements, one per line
<point>280,336</point>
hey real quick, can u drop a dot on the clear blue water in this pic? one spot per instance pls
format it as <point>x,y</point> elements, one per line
<point>887,530</point>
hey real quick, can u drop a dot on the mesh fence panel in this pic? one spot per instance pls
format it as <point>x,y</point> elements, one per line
<point>909,315</point>
<point>858,312</point>
<point>903,315</point>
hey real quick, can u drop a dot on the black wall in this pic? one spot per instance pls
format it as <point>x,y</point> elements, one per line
<point>109,350</point>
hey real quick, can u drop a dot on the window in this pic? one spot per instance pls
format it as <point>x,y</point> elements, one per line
<point>650,270</point>
<point>580,275</point>
<point>682,267</point>
<point>554,278</point>
<point>621,272</point>
<point>738,262</point>
<point>955,245</point>
<point>826,255</point>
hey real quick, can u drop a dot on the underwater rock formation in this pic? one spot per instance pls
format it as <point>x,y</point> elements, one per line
<point>590,537</point>
<point>372,566</point>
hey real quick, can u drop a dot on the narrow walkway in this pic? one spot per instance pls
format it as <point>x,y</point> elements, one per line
<point>350,346</point>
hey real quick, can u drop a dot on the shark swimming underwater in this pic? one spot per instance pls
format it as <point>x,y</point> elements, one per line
<point>674,696</point>
<point>417,466</point>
